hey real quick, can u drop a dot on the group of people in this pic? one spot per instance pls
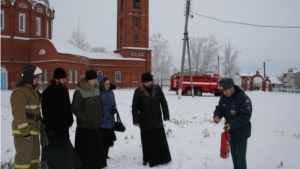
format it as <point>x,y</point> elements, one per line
<point>94,106</point>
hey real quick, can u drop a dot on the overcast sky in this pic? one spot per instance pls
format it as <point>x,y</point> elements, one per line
<point>98,19</point>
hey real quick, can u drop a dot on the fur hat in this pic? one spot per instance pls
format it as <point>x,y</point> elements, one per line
<point>90,74</point>
<point>59,73</point>
<point>146,77</point>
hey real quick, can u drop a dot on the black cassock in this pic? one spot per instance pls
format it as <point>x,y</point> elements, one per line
<point>155,146</point>
<point>90,149</point>
<point>60,154</point>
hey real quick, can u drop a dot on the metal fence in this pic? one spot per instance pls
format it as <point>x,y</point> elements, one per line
<point>286,89</point>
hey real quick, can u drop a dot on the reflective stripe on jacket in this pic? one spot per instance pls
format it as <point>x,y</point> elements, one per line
<point>24,100</point>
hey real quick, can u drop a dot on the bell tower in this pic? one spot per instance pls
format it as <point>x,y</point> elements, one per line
<point>133,30</point>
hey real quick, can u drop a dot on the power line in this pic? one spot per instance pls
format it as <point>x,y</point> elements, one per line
<point>248,24</point>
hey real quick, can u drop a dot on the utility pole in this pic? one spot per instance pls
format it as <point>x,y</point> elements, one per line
<point>185,43</point>
<point>265,68</point>
<point>218,65</point>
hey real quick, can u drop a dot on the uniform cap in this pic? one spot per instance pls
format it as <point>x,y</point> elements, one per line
<point>226,83</point>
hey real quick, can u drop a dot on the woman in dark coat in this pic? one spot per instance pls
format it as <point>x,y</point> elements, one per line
<point>107,124</point>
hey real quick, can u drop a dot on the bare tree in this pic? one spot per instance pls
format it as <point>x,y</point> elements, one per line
<point>203,53</point>
<point>78,39</point>
<point>230,68</point>
<point>210,53</point>
<point>280,77</point>
<point>161,58</point>
<point>196,53</point>
<point>99,49</point>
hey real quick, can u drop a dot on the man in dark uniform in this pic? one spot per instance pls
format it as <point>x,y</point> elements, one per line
<point>235,106</point>
<point>148,105</point>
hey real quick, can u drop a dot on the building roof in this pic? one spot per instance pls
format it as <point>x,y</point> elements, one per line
<point>33,2</point>
<point>65,48</point>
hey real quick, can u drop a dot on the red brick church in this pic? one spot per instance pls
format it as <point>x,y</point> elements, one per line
<point>26,39</point>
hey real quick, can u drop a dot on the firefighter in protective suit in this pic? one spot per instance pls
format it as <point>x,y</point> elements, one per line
<point>25,103</point>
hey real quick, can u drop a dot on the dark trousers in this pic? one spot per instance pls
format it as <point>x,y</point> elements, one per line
<point>238,153</point>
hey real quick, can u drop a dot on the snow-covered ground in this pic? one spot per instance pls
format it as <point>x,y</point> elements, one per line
<point>275,132</point>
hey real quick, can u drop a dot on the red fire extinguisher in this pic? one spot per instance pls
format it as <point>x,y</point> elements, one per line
<point>225,136</point>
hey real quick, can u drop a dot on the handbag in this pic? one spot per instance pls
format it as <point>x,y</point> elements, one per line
<point>118,124</point>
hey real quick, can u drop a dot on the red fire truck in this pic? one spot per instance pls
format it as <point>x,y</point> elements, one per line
<point>201,83</point>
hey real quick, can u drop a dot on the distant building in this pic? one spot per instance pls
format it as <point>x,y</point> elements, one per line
<point>292,77</point>
<point>26,33</point>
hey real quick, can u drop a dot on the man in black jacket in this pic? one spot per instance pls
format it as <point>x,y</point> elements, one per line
<point>148,105</point>
<point>58,117</point>
<point>236,107</point>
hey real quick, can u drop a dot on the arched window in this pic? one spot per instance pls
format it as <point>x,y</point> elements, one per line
<point>141,54</point>
<point>22,22</point>
<point>2,19</point>
<point>39,10</point>
<point>136,38</point>
<point>118,76</point>
<point>47,30</point>
<point>22,5</point>
<point>70,76</point>
<point>46,76</point>
<point>99,73</point>
<point>133,54</point>
<point>38,26</point>
<point>136,4</point>
<point>2,2</point>
<point>75,76</point>
<point>42,52</point>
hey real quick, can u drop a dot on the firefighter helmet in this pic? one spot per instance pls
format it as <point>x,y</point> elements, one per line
<point>28,74</point>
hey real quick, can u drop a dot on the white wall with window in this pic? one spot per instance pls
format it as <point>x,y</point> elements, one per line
<point>2,19</point>
<point>38,26</point>
<point>70,76</point>
<point>118,76</point>
<point>46,76</point>
<point>75,76</point>
<point>22,22</point>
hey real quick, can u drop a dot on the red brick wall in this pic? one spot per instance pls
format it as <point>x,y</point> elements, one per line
<point>21,50</point>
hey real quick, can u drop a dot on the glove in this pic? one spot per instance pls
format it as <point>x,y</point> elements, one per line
<point>114,111</point>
